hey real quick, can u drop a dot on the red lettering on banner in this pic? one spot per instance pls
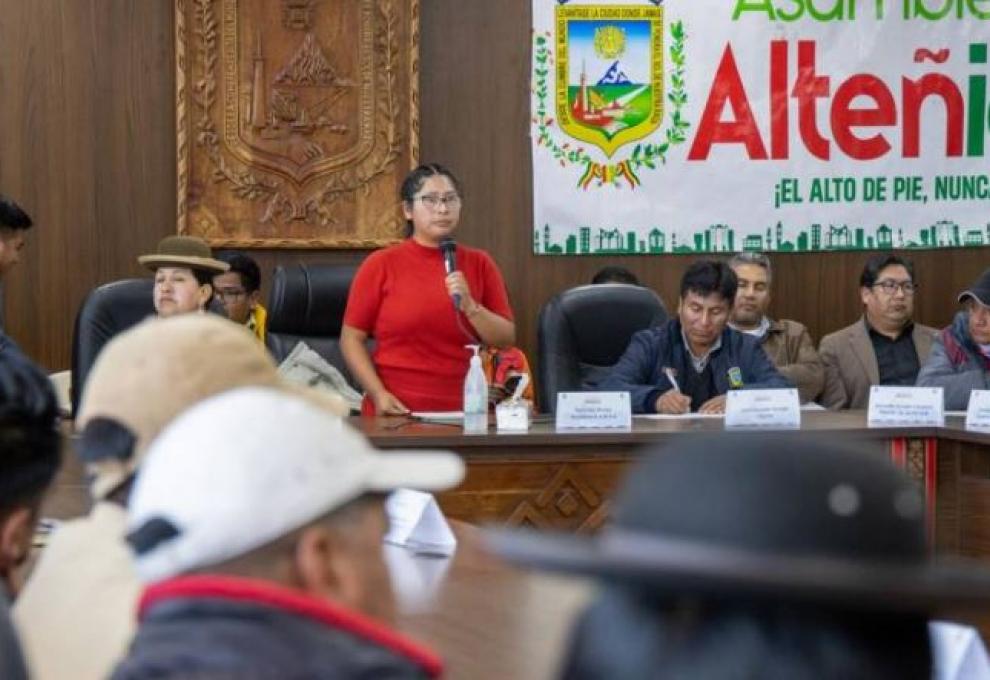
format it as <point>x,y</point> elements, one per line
<point>915,92</point>
<point>741,125</point>
<point>808,88</point>
<point>844,117</point>
<point>780,128</point>
<point>728,87</point>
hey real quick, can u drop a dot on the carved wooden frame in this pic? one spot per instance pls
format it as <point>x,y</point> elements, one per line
<point>292,203</point>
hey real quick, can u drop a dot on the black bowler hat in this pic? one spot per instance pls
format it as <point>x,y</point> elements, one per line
<point>979,291</point>
<point>779,518</point>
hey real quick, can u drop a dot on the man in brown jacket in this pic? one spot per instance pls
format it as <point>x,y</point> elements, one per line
<point>786,342</point>
<point>884,347</point>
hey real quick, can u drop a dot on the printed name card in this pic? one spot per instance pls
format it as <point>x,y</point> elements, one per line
<point>978,413</point>
<point>892,406</point>
<point>416,522</point>
<point>593,410</point>
<point>762,409</point>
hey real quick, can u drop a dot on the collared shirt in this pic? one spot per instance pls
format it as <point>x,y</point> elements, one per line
<point>699,363</point>
<point>257,322</point>
<point>758,332</point>
<point>897,360</point>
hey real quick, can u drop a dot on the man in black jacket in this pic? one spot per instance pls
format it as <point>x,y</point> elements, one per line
<point>691,362</point>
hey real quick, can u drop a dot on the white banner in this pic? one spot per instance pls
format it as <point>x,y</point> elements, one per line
<point>686,126</point>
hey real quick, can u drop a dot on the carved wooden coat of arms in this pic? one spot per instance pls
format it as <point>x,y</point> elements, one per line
<point>296,120</point>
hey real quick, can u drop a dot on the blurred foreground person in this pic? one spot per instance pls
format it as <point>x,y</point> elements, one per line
<point>257,521</point>
<point>30,452</point>
<point>76,614</point>
<point>758,557</point>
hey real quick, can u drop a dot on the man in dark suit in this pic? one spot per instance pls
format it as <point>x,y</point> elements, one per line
<point>692,361</point>
<point>885,346</point>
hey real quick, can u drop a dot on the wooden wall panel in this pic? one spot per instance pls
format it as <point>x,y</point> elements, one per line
<point>87,146</point>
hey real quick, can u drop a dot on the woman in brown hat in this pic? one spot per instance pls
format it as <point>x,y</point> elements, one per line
<point>184,269</point>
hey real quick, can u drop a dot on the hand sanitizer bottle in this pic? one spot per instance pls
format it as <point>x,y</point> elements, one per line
<point>475,395</point>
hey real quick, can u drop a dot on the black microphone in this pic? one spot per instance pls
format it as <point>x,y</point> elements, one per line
<point>448,249</point>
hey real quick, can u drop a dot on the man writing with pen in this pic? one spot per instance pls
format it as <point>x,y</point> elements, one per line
<point>692,361</point>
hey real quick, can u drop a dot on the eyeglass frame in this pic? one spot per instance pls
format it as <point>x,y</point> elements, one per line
<point>432,202</point>
<point>230,294</point>
<point>890,287</point>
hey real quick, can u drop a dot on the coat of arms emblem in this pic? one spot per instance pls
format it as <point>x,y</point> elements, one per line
<point>607,63</point>
<point>296,120</point>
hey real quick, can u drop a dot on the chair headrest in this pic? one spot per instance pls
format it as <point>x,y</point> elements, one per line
<point>602,317</point>
<point>309,299</point>
<point>106,311</point>
<point>118,305</point>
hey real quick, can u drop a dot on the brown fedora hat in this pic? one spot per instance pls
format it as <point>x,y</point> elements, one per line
<point>183,251</point>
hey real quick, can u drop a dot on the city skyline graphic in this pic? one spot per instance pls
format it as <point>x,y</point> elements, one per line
<point>722,238</point>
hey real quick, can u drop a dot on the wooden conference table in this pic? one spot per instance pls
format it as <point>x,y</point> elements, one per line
<point>489,620</point>
<point>552,480</point>
<point>564,481</point>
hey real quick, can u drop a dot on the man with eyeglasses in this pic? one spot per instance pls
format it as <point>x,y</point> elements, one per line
<point>960,358</point>
<point>885,347</point>
<point>239,291</point>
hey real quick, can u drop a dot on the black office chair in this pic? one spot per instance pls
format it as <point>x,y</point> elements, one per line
<point>108,310</point>
<point>105,312</point>
<point>583,331</point>
<point>307,303</point>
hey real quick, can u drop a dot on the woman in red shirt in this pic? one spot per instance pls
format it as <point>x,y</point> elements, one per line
<point>404,299</point>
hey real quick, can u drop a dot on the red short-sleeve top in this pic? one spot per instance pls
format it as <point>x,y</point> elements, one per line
<point>399,297</point>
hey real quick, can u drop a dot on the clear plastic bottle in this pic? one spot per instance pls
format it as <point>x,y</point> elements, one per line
<point>475,395</point>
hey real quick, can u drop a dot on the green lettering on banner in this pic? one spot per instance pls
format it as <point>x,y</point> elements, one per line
<point>962,188</point>
<point>874,189</point>
<point>834,14</point>
<point>976,11</point>
<point>753,6</point>
<point>792,16</point>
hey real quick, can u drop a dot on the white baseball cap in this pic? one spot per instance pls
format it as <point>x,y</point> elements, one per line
<point>243,468</point>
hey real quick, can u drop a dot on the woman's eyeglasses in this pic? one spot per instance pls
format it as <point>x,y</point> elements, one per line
<point>434,201</point>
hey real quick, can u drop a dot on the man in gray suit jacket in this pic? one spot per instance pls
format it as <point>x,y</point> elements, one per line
<point>884,347</point>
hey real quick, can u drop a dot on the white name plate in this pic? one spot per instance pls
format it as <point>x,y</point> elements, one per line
<point>762,409</point>
<point>978,413</point>
<point>417,523</point>
<point>593,410</point>
<point>892,406</point>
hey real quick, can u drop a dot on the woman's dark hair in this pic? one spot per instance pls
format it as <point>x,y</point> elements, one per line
<point>204,277</point>
<point>629,633</point>
<point>414,182</point>
<point>30,445</point>
<point>705,277</point>
<point>877,263</point>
